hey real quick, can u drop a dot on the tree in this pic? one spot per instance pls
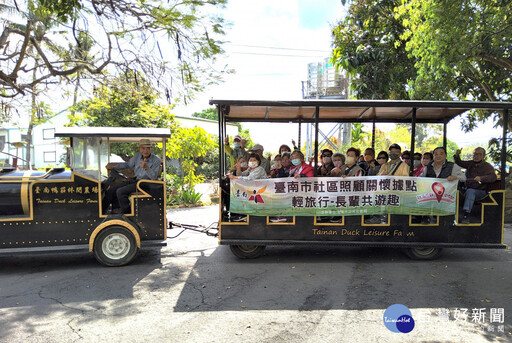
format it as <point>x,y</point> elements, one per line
<point>367,44</point>
<point>186,145</point>
<point>125,101</point>
<point>209,113</point>
<point>126,34</point>
<point>460,46</point>
<point>428,50</point>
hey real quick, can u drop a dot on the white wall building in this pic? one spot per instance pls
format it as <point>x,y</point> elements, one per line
<point>48,151</point>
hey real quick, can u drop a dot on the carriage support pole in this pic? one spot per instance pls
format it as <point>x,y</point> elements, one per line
<point>504,148</point>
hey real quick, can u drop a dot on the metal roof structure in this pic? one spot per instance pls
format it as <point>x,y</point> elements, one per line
<point>341,110</point>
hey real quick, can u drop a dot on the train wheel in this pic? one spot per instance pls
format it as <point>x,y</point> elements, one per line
<point>247,251</point>
<point>115,246</point>
<point>429,253</point>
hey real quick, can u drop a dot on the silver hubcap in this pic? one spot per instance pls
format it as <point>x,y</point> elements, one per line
<point>116,246</point>
<point>248,248</point>
<point>424,251</point>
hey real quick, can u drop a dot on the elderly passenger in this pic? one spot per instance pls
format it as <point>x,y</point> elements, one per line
<point>327,164</point>
<point>254,172</point>
<point>479,174</point>
<point>265,164</point>
<point>300,167</point>
<point>146,166</point>
<point>395,166</point>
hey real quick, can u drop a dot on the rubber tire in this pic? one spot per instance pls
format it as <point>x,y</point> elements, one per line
<point>247,251</point>
<point>123,234</point>
<point>429,253</point>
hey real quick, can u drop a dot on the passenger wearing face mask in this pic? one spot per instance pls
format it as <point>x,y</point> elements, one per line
<point>351,168</point>
<point>254,170</point>
<point>327,164</point>
<point>238,149</point>
<point>338,159</point>
<point>395,166</point>
<point>416,164</point>
<point>242,163</point>
<point>300,167</point>
<point>369,165</point>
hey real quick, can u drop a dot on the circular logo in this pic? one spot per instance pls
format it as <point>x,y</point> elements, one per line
<point>398,318</point>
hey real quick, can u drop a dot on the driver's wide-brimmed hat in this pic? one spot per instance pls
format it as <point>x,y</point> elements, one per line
<point>145,143</point>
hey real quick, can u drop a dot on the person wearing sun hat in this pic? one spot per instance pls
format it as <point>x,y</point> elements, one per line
<point>146,166</point>
<point>237,151</point>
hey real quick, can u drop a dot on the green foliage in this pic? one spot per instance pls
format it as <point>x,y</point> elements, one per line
<point>178,193</point>
<point>428,50</point>
<point>125,101</point>
<point>171,42</point>
<point>209,113</point>
<point>208,165</point>
<point>186,145</point>
<point>367,44</point>
<point>460,47</point>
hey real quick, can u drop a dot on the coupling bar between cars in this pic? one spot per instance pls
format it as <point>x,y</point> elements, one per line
<point>212,230</point>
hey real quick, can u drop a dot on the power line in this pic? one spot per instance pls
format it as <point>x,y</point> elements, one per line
<point>277,55</point>
<point>276,48</point>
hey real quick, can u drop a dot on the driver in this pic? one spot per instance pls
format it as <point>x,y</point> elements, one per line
<point>146,167</point>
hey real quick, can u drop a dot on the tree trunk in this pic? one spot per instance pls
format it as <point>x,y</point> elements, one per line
<point>33,111</point>
<point>75,93</point>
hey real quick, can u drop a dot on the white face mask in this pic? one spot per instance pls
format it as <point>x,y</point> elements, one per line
<point>326,160</point>
<point>243,164</point>
<point>253,164</point>
<point>337,164</point>
<point>350,160</point>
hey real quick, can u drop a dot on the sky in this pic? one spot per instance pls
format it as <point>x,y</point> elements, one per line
<point>269,45</point>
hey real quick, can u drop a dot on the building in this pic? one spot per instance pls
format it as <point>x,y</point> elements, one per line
<point>326,82</point>
<point>48,151</point>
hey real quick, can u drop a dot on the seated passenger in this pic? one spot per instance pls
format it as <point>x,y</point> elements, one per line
<point>276,164</point>
<point>282,168</point>
<point>382,158</point>
<point>264,163</point>
<point>300,168</point>
<point>395,166</point>
<point>479,174</point>
<point>338,159</point>
<point>369,163</point>
<point>254,172</point>
<point>406,157</point>
<point>327,164</point>
<point>286,148</point>
<point>242,163</point>
<point>146,167</point>
<point>237,151</point>
<point>426,158</point>
<point>351,168</point>
<point>442,169</point>
<point>416,164</point>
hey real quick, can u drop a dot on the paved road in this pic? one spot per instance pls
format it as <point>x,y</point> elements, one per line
<point>197,291</point>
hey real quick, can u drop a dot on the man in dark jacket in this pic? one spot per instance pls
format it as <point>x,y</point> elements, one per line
<point>478,175</point>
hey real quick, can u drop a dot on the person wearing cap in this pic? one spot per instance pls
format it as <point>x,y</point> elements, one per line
<point>395,166</point>
<point>237,151</point>
<point>146,166</point>
<point>258,149</point>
